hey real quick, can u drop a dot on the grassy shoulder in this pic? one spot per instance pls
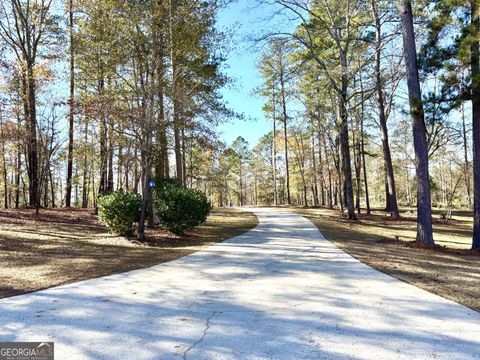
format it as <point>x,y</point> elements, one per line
<point>62,246</point>
<point>449,270</point>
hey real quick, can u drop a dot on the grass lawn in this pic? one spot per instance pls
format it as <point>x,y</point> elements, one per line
<point>62,246</point>
<point>450,269</point>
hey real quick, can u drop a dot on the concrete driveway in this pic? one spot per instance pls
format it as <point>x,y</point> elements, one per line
<point>280,291</point>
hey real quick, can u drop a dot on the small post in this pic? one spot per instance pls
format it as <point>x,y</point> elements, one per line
<point>151,186</point>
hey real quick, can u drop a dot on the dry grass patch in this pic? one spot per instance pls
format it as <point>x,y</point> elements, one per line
<point>62,246</point>
<point>449,270</point>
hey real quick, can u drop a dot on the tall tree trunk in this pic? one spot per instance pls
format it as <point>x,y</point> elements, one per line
<point>424,209</point>
<point>68,196</point>
<point>110,158</point>
<point>92,187</point>
<point>321,147</point>
<point>241,186</point>
<point>302,174</point>
<point>18,173</point>
<point>465,156</point>
<point>176,104</point>
<point>387,191</point>
<point>103,140</point>
<point>4,163</point>
<point>161,161</point>
<point>357,161</point>
<point>120,161</point>
<point>358,176</point>
<point>274,147</point>
<point>126,170</point>
<point>52,186</point>
<point>45,189</point>
<point>475,63</point>
<point>191,161</point>
<point>34,189</point>
<point>330,189</point>
<point>162,165</point>
<point>345,148</point>
<point>184,154</point>
<point>285,137</point>
<point>77,201</point>
<point>33,138</point>
<point>314,171</point>
<point>364,165</point>
<point>85,168</point>
<point>390,177</point>
<point>27,152</point>
<point>136,177</point>
<point>177,143</point>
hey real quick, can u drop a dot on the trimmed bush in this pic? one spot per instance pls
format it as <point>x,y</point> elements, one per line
<point>119,210</point>
<point>181,209</point>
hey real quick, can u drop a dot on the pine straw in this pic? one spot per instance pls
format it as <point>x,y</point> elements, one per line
<point>61,246</point>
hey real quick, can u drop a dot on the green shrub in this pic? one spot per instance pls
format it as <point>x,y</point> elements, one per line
<point>162,183</point>
<point>181,209</point>
<point>119,210</point>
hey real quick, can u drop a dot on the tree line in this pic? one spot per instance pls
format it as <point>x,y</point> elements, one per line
<point>101,95</point>
<point>349,76</point>
<point>370,102</point>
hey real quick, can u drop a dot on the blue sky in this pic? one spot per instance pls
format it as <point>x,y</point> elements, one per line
<point>242,67</point>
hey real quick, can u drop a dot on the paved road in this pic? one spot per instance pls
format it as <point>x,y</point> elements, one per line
<point>280,291</point>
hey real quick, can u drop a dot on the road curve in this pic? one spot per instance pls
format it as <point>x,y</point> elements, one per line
<point>280,291</point>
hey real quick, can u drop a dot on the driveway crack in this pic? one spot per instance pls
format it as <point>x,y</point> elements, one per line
<point>207,327</point>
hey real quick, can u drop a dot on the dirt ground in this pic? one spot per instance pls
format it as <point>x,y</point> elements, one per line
<point>61,246</point>
<point>450,269</point>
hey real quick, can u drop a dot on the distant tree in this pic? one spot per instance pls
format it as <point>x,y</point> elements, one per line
<point>241,155</point>
<point>276,70</point>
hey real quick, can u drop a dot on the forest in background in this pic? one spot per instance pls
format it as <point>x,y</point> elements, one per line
<point>372,103</point>
<point>137,81</point>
